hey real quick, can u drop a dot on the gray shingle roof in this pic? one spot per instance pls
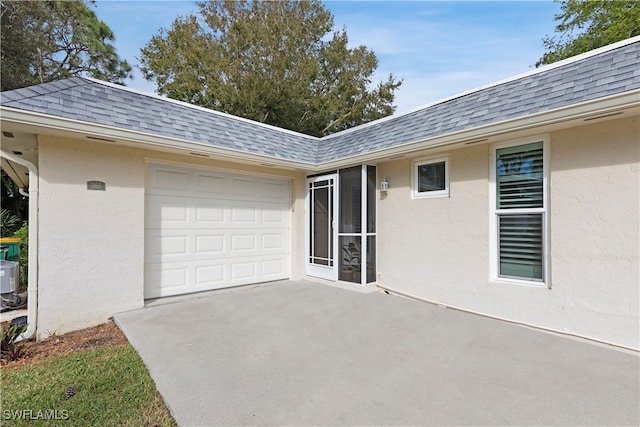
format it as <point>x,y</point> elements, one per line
<point>92,101</point>
<point>610,72</point>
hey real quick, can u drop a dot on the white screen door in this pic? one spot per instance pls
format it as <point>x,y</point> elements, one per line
<point>321,218</point>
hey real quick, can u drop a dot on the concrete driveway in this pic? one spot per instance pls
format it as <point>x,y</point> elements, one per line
<point>298,353</point>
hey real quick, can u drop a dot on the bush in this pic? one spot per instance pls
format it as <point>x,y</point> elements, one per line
<point>10,348</point>
<point>9,223</point>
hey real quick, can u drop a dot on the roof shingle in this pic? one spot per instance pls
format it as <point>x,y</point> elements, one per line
<point>608,72</point>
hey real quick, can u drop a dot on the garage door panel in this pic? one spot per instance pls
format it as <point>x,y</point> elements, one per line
<point>159,210</point>
<point>211,184</point>
<point>210,244</point>
<point>244,269</point>
<point>170,212</point>
<point>244,188</point>
<point>277,192</point>
<point>213,229</point>
<point>165,280</point>
<point>273,241</point>
<point>208,276</point>
<point>209,213</point>
<point>274,267</point>
<point>243,214</point>
<point>242,243</point>
<point>183,277</point>
<point>274,216</point>
<point>171,181</point>
<point>184,245</point>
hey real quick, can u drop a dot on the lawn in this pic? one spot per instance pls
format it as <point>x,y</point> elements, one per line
<point>105,385</point>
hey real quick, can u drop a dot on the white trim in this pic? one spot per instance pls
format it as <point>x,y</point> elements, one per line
<point>493,214</point>
<point>313,270</point>
<point>363,223</point>
<point>415,194</point>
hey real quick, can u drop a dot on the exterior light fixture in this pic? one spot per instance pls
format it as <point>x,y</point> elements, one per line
<point>384,185</point>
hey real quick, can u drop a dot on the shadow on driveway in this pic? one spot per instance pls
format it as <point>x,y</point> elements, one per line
<point>298,353</point>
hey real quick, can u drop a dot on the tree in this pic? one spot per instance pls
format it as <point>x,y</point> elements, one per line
<point>11,200</point>
<point>585,25</point>
<point>275,62</point>
<point>42,41</point>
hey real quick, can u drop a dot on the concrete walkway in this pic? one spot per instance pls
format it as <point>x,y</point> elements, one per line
<point>297,353</point>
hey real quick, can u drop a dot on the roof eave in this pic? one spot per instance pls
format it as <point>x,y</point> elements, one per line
<point>585,110</point>
<point>108,134</point>
<point>45,123</point>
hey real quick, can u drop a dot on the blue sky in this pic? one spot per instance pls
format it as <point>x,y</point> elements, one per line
<point>440,48</point>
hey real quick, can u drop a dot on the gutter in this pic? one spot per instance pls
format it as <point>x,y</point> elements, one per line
<point>32,286</point>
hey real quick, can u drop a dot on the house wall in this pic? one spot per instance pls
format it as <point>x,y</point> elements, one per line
<point>91,257</point>
<point>438,249</point>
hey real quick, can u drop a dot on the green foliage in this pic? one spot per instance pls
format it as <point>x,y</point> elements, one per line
<point>11,199</point>
<point>9,223</point>
<point>275,62</point>
<point>110,384</point>
<point>585,25</point>
<point>9,348</point>
<point>51,40</point>
<point>23,234</point>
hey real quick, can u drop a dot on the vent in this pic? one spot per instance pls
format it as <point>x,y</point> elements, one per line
<point>97,138</point>
<point>476,141</point>
<point>8,134</point>
<point>199,154</point>
<point>603,116</point>
<point>401,156</point>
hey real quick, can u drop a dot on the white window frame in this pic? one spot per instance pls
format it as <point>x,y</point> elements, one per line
<point>414,177</point>
<point>493,217</point>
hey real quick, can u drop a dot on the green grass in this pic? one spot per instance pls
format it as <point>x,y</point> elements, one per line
<point>113,388</point>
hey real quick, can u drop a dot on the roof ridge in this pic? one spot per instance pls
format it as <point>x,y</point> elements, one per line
<point>543,69</point>
<point>198,107</point>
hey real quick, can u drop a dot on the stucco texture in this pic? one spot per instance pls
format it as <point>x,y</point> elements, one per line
<point>91,256</point>
<point>438,249</point>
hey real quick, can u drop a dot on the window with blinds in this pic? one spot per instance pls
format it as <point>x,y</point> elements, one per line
<point>520,210</point>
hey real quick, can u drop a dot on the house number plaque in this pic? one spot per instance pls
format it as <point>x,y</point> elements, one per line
<point>96,185</point>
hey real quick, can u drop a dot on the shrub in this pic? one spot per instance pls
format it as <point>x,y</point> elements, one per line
<point>9,223</point>
<point>10,349</point>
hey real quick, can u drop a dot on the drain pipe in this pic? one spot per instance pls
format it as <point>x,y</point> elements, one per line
<point>32,287</point>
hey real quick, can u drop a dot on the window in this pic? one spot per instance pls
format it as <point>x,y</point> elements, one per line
<point>431,177</point>
<point>519,211</point>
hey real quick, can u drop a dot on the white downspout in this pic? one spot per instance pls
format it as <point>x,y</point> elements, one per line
<point>32,287</point>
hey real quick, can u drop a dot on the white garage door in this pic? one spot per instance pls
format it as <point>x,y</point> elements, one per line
<point>208,229</point>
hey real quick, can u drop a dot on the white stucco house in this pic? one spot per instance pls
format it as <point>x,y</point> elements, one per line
<point>519,200</point>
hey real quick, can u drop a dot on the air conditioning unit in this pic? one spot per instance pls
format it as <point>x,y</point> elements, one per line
<point>9,276</point>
